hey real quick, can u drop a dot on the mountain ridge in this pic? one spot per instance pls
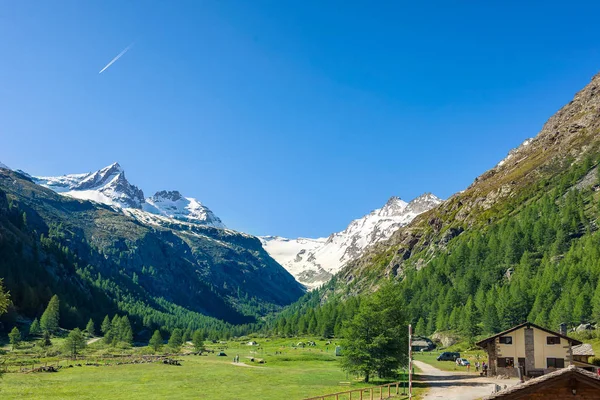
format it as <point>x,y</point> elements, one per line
<point>314,261</point>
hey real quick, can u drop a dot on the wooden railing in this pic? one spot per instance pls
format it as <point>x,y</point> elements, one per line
<point>372,393</point>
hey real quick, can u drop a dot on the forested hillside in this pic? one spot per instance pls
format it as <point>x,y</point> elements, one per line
<point>521,243</point>
<point>100,262</point>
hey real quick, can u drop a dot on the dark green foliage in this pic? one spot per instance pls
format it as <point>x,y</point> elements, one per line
<point>50,317</point>
<point>376,339</point>
<point>4,298</point>
<point>198,340</point>
<point>156,341</point>
<point>14,337</point>
<point>45,341</point>
<point>106,329</point>
<point>176,339</point>
<point>34,328</point>
<point>90,328</point>
<point>74,342</point>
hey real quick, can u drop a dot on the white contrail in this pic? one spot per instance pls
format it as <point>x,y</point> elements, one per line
<point>116,58</point>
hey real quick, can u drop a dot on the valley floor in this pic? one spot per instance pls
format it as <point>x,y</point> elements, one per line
<point>289,373</point>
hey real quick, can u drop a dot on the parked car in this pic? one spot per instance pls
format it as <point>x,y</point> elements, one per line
<point>463,361</point>
<point>448,356</point>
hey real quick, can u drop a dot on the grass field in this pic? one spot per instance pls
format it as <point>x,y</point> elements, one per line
<point>296,373</point>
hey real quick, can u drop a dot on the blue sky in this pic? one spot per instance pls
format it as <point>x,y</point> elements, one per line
<point>287,117</point>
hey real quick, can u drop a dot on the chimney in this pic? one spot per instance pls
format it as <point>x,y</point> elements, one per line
<point>562,329</point>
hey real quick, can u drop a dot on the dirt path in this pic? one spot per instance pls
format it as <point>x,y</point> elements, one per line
<point>94,340</point>
<point>244,365</point>
<point>456,385</point>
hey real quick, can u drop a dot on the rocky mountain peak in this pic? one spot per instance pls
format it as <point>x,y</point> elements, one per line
<point>394,206</point>
<point>172,195</point>
<point>423,203</point>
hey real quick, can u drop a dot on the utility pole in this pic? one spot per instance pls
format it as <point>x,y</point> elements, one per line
<point>410,361</point>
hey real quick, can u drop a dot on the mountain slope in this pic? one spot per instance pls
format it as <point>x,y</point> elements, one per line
<point>567,137</point>
<point>194,268</point>
<point>521,243</point>
<point>314,261</point>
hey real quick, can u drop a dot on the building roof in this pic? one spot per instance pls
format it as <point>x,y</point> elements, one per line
<point>533,385</point>
<point>481,343</point>
<point>584,349</point>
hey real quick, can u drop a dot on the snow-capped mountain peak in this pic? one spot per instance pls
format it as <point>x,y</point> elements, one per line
<point>173,205</point>
<point>394,206</point>
<point>314,261</point>
<point>4,166</point>
<point>107,185</point>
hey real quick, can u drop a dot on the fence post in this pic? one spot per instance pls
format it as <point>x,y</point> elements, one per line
<point>371,394</point>
<point>389,390</point>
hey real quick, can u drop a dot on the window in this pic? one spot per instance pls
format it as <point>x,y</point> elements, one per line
<point>506,339</point>
<point>555,362</point>
<point>506,362</point>
<point>552,340</point>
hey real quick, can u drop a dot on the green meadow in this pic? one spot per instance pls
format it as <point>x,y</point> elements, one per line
<point>289,372</point>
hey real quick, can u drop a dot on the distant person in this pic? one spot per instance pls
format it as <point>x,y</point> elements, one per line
<point>476,366</point>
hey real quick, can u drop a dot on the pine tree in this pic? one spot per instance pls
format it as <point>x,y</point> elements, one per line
<point>90,329</point>
<point>74,342</point>
<point>14,337</point>
<point>156,341</point>
<point>420,328</point>
<point>34,328</point>
<point>491,323</point>
<point>125,331</point>
<point>4,299</point>
<point>198,340</point>
<point>45,341</point>
<point>106,328</point>
<point>50,317</point>
<point>176,339</point>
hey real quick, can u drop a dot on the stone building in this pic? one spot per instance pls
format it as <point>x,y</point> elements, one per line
<point>535,349</point>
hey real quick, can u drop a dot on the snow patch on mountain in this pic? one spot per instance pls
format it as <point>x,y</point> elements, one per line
<point>513,152</point>
<point>4,166</point>
<point>173,205</point>
<point>314,261</point>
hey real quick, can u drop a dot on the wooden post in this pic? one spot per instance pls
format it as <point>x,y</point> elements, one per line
<point>409,361</point>
<point>397,388</point>
<point>371,394</point>
<point>361,393</point>
<point>380,392</point>
<point>389,390</point>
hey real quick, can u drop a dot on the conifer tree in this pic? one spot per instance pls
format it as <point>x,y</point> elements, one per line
<point>34,328</point>
<point>14,337</point>
<point>176,339</point>
<point>4,299</point>
<point>106,328</point>
<point>74,342</point>
<point>50,317</point>
<point>198,340</point>
<point>156,341</point>
<point>89,328</point>
<point>125,331</point>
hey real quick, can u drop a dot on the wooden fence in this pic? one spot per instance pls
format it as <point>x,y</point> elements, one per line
<point>386,391</point>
